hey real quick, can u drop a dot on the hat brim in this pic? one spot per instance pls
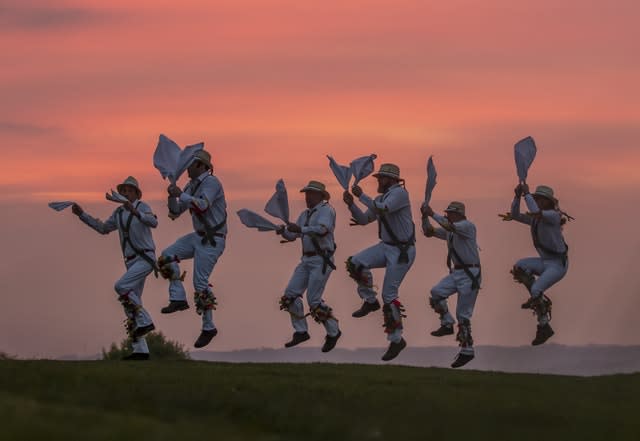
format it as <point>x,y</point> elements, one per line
<point>546,196</point>
<point>388,175</point>
<point>317,190</point>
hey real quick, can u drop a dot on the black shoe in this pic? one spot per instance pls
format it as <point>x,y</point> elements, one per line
<point>298,337</point>
<point>366,308</point>
<point>394,350</point>
<point>529,303</point>
<point>443,330</point>
<point>175,305</point>
<point>142,331</point>
<point>543,333</point>
<point>462,359</point>
<point>136,356</point>
<point>205,338</point>
<point>330,342</point>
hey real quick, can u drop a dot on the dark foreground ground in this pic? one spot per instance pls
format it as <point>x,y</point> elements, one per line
<point>99,400</point>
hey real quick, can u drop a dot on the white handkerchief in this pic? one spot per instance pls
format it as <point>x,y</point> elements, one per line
<point>431,180</point>
<point>170,160</point>
<point>341,172</point>
<point>525,153</point>
<point>278,205</point>
<point>115,197</point>
<point>362,167</point>
<point>254,220</point>
<point>59,206</point>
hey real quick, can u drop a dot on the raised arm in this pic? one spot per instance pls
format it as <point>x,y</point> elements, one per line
<point>427,229</point>
<point>176,208</point>
<point>515,209</point>
<point>105,227</point>
<point>361,218</point>
<point>552,217</point>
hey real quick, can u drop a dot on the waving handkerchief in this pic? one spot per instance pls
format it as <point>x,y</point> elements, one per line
<point>362,167</point>
<point>252,219</point>
<point>525,153</point>
<point>115,197</point>
<point>278,205</point>
<point>170,160</point>
<point>342,172</point>
<point>59,206</point>
<point>431,180</point>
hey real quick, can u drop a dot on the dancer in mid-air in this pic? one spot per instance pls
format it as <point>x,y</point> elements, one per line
<point>396,251</point>
<point>204,197</point>
<point>538,274</point>
<point>133,220</point>
<point>464,276</point>
<point>315,227</point>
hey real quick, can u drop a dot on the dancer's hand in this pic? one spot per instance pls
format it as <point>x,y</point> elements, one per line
<point>347,198</point>
<point>77,209</point>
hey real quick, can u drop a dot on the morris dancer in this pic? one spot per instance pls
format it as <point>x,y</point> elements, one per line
<point>204,197</point>
<point>538,274</point>
<point>133,220</point>
<point>315,226</point>
<point>395,251</point>
<point>464,275</point>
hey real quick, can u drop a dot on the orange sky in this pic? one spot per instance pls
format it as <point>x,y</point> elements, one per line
<point>272,87</point>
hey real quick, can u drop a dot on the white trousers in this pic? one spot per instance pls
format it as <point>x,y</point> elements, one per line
<point>548,272</point>
<point>457,282</point>
<point>386,256</point>
<point>132,284</point>
<point>204,258</point>
<point>308,276</point>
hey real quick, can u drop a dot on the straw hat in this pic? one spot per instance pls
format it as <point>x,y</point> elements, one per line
<point>316,186</point>
<point>545,192</point>
<point>204,157</point>
<point>456,207</point>
<point>389,170</point>
<point>132,182</point>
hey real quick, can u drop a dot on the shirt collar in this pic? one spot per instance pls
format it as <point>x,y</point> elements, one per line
<point>202,176</point>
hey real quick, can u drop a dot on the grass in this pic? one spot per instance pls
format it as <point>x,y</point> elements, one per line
<point>189,400</point>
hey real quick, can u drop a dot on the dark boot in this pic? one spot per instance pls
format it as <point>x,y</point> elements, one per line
<point>205,338</point>
<point>136,356</point>
<point>330,342</point>
<point>142,331</point>
<point>394,350</point>
<point>298,337</point>
<point>175,305</point>
<point>543,333</point>
<point>366,308</point>
<point>462,359</point>
<point>443,330</point>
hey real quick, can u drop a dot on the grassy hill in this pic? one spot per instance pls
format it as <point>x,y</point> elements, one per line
<point>100,400</point>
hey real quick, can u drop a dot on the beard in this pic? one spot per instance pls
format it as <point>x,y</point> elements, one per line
<point>382,188</point>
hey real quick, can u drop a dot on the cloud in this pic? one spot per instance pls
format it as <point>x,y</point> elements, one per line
<point>39,16</point>
<point>23,129</point>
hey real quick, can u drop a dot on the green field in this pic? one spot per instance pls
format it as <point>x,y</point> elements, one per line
<point>198,400</point>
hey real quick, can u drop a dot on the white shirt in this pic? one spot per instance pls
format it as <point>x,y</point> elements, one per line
<point>546,227</point>
<point>139,231</point>
<point>395,205</point>
<point>203,195</point>
<point>320,221</point>
<point>461,236</point>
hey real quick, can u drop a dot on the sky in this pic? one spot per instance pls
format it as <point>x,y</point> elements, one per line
<point>271,88</point>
